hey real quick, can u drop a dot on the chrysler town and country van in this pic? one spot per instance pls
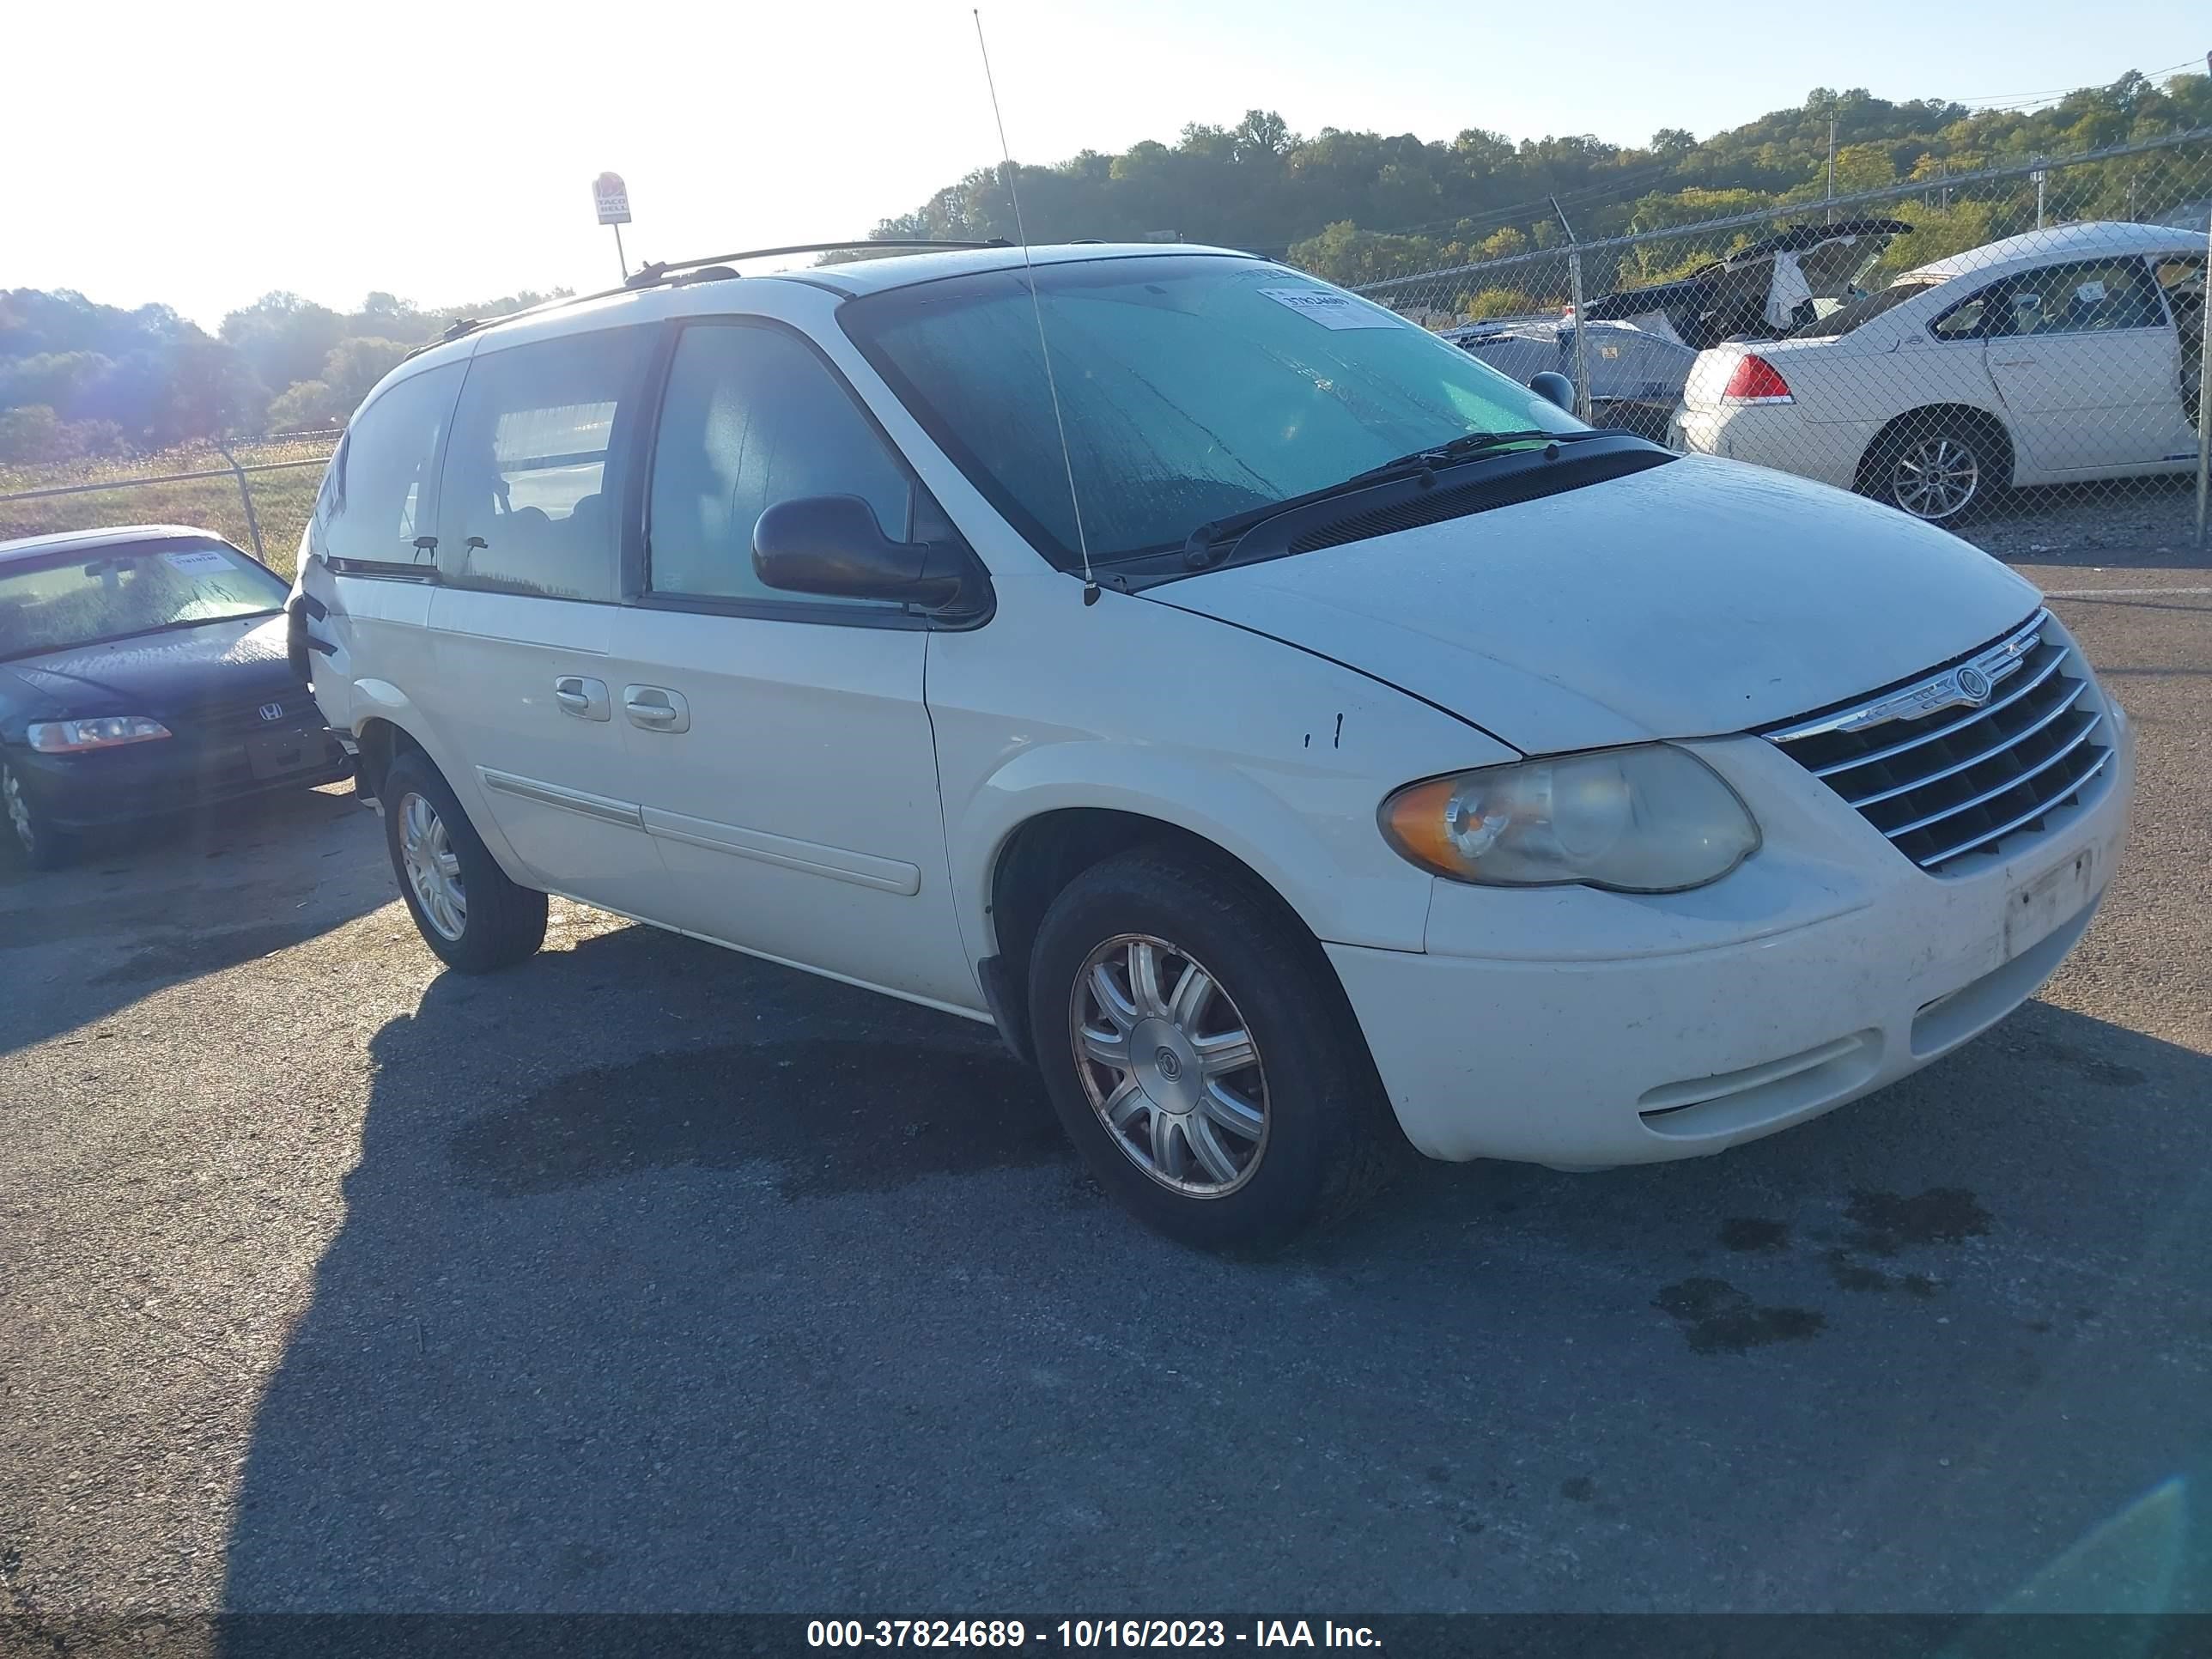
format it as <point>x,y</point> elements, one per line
<point>1329,744</point>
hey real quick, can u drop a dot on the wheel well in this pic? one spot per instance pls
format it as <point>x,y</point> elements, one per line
<point>1041,857</point>
<point>1965,415</point>
<point>381,743</point>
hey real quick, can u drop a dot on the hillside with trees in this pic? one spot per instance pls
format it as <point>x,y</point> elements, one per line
<point>80,381</point>
<point>1361,207</point>
<point>78,378</point>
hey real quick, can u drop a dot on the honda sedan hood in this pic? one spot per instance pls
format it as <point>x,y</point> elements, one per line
<point>1697,598</point>
<point>157,674</point>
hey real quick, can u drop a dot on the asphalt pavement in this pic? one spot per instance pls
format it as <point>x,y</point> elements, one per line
<point>647,1276</point>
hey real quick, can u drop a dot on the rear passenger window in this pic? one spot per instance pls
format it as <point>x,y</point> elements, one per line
<point>526,502</point>
<point>752,417</point>
<point>2095,296</point>
<point>375,498</point>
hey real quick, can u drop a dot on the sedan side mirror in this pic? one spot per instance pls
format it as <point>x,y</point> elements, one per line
<point>1554,388</point>
<point>832,545</point>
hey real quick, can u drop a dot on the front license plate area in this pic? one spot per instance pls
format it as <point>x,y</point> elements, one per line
<point>275,753</point>
<point>2033,911</point>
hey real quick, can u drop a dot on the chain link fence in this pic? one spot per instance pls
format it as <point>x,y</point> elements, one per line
<point>2017,349</point>
<point>256,492</point>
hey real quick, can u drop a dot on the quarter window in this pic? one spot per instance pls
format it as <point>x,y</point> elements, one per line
<point>527,504</point>
<point>753,416</point>
<point>375,497</point>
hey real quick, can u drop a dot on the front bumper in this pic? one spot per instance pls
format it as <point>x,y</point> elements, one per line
<point>1835,969</point>
<point>149,780</point>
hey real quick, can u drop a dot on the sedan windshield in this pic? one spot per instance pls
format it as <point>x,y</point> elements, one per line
<point>1193,387</point>
<point>85,597</point>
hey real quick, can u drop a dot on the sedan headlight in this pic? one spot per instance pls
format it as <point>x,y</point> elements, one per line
<point>102,731</point>
<point>1650,819</point>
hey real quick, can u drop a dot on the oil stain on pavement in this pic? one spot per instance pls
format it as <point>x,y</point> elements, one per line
<point>1718,1318</point>
<point>835,1114</point>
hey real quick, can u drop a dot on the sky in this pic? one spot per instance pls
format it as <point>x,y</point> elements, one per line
<point>443,150</point>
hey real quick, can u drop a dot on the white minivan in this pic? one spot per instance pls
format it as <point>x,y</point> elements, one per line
<point>1328,744</point>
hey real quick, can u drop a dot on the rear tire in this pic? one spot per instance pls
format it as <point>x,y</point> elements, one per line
<point>1940,467</point>
<point>464,905</point>
<point>1243,1108</point>
<point>26,826</point>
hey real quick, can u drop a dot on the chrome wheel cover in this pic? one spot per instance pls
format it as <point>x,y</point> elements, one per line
<point>431,867</point>
<point>1935,477</point>
<point>19,810</point>
<point>1169,1065</point>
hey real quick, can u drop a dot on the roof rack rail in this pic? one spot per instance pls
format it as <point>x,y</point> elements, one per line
<point>655,271</point>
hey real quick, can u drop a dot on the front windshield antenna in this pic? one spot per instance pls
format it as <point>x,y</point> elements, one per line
<point>1036,305</point>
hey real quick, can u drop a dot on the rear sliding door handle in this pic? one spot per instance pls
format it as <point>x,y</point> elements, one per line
<point>585,699</point>
<point>656,708</point>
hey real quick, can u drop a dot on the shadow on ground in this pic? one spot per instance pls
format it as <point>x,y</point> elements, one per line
<point>152,905</point>
<point>781,1296</point>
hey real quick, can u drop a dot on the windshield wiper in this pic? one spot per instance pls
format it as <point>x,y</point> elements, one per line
<point>1467,444</point>
<point>1211,539</point>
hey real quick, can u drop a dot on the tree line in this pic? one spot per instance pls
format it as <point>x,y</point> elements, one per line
<point>78,377</point>
<point>80,380</point>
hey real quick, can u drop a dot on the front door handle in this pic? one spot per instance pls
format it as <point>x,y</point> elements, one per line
<point>656,708</point>
<point>585,699</point>
<point>2014,363</point>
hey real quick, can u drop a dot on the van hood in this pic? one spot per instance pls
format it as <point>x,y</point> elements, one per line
<point>1694,599</point>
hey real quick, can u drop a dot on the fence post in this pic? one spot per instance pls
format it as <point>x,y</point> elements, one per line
<point>1581,329</point>
<point>245,497</point>
<point>2204,393</point>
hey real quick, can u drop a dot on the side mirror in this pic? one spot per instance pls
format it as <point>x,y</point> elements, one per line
<point>1554,388</point>
<point>832,545</point>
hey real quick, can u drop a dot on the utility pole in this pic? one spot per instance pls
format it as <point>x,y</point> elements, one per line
<point>2039,175</point>
<point>1832,160</point>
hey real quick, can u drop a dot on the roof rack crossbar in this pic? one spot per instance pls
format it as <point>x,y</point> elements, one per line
<point>654,271</point>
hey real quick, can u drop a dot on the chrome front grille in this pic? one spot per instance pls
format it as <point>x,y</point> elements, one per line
<point>1968,759</point>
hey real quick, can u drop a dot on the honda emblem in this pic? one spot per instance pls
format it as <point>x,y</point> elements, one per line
<point>271,711</point>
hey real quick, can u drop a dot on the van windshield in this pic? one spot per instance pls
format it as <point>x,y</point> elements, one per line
<point>1193,387</point>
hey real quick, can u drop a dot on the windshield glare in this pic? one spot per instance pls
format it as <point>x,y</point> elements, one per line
<point>1865,308</point>
<point>106,593</point>
<point>1193,388</point>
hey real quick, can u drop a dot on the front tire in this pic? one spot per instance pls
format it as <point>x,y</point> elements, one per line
<point>464,905</point>
<point>28,829</point>
<point>1200,1053</point>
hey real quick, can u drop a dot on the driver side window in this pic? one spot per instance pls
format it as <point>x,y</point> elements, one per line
<point>753,416</point>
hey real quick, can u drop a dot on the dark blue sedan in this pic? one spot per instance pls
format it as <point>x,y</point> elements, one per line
<point>144,672</point>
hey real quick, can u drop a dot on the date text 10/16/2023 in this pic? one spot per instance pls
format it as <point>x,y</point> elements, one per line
<point>1086,1633</point>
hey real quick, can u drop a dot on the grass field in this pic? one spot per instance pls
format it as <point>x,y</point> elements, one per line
<point>282,500</point>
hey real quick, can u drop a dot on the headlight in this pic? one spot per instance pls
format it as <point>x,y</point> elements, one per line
<point>105,732</point>
<point>1650,819</point>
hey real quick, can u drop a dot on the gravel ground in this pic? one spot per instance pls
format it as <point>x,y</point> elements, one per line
<point>648,1276</point>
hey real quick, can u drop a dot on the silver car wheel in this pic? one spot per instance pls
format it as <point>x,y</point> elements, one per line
<point>19,810</point>
<point>1169,1065</point>
<point>434,870</point>
<point>1935,477</point>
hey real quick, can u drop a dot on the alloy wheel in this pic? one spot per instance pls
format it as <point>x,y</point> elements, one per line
<point>1169,1065</point>
<point>1935,477</point>
<point>433,869</point>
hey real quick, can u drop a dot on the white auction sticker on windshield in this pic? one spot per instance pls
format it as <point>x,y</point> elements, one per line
<point>200,561</point>
<point>1333,310</point>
